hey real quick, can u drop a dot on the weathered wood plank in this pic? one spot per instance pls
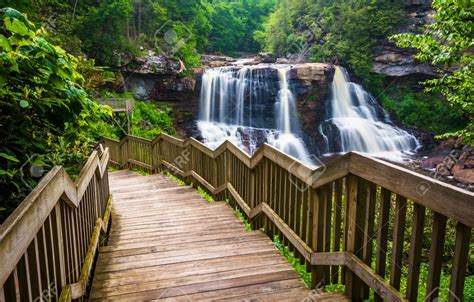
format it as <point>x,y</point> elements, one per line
<point>414,258</point>
<point>168,251</point>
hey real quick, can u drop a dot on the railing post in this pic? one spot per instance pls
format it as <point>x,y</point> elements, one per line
<point>317,228</point>
<point>129,152</point>
<point>353,242</point>
<point>60,242</point>
<point>257,222</point>
<point>226,170</point>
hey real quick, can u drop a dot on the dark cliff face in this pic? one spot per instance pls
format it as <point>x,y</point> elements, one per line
<point>309,82</point>
<point>393,61</point>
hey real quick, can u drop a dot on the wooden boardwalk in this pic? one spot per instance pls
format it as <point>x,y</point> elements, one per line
<point>166,242</point>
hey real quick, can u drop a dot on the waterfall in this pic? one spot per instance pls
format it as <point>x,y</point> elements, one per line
<point>248,106</point>
<point>286,141</point>
<point>357,123</point>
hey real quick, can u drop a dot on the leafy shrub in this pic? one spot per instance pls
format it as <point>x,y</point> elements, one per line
<point>447,44</point>
<point>423,111</point>
<point>45,112</point>
<point>149,120</point>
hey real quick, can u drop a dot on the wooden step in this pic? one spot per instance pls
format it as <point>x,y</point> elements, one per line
<point>167,243</point>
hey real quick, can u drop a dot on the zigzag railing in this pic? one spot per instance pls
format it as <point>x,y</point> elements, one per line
<point>48,244</point>
<point>339,219</point>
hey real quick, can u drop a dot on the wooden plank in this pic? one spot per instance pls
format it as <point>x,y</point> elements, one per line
<point>382,236</point>
<point>398,240</point>
<point>242,291</point>
<point>79,288</point>
<point>377,283</point>
<point>327,204</point>
<point>157,292</point>
<point>295,240</point>
<point>182,268</point>
<point>435,256</point>
<point>461,253</point>
<point>192,254</point>
<point>317,273</point>
<point>243,205</point>
<point>414,258</point>
<point>19,229</point>
<point>337,224</point>
<point>351,289</point>
<point>328,258</point>
<point>427,191</point>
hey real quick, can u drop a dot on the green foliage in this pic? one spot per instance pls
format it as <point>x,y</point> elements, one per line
<point>343,32</point>
<point>241,216</point>
<point>234,24</point>
<point>205,195</point>
<point>112,31</point>
<point>295,262</point>
<point>423,111</point>
<point>45,111</point>
<point>102,30</point>
<point>149,120</point>
<point>93,77</point>
<point>175,178</point>
<point>447,43</point>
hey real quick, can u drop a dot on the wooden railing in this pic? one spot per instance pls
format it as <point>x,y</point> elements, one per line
<point>48,244</point>
<point>357,221</point>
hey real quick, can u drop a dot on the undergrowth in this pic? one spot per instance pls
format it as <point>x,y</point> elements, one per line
<point>241,216</point>
<point>205,195</point>
<point>295,262</point>
<point>175,178</point>
<point>140,171</point>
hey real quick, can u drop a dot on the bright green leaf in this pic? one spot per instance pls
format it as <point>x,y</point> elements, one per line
<point>9,157</point>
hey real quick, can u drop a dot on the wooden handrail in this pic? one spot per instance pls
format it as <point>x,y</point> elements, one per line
<point>294,201</point>
<point>392,177</point>
<point>40,241</point>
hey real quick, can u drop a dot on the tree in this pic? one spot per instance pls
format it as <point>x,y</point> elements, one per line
<point>344,32</point>
<point>45,113</point>
<point>102,30</point>
<point>448,44</point>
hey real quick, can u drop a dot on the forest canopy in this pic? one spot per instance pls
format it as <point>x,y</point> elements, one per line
<point>111,30</point>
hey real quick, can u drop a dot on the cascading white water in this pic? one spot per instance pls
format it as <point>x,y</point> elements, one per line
<point>230,96</point>
<point>355,124</point>
<point>286,140</point>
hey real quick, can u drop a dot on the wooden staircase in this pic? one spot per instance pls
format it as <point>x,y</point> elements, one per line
<point>348,222</point>
<point>167,242</point>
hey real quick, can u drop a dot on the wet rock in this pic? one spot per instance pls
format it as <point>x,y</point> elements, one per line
<point>432,162</point>
<point>154,65</point>
<point>212,61</point>
<point>266,57</point>
<point>457,165</point>
<point>311,72</point>
<point>282,61</point>
<point>465,176</point>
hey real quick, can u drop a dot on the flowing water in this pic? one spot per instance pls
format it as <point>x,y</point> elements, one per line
<point>357,123</point>
<point>238,103</point>
<point>250,105</point>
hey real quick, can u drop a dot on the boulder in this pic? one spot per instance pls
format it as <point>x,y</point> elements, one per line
<point>282,61</point>
<point>155,65</point>
<point>432,162</point>
<point>465,176</point>
<point>213,61</point>
<point>266,57</point>
<point>311,72</point>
